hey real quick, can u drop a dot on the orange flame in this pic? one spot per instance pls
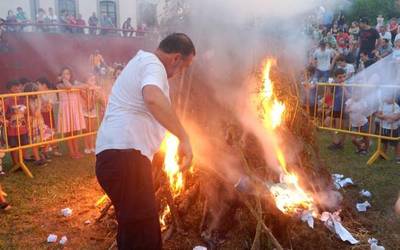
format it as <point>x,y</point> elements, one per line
<point>171,167</point>
<point>289,196</point>
<point>163,218</point>
<point>273,109</point>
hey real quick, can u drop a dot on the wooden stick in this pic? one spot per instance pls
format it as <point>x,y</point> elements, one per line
<point>104,211</point>
<point>258,214</point>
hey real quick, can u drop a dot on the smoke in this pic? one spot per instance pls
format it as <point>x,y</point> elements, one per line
<point>234,37</point>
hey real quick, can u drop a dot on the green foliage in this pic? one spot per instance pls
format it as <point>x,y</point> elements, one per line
<point>372,8</point>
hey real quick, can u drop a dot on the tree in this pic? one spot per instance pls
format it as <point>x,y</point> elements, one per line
<point>372,8</point>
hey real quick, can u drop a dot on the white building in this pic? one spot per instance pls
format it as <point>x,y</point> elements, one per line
<point>118,10</point>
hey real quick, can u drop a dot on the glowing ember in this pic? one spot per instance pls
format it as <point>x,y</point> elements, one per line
<point>171,167</point>
<point>289,197</point>
<point>163,218</point>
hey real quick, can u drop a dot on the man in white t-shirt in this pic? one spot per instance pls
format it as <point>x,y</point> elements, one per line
<point>138,114</point>
<point>342,64</point>
<point>322,60</point>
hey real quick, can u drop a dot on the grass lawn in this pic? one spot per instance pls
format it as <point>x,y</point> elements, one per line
<point>71,183</point>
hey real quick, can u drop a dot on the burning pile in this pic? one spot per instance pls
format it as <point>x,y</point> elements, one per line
<point>290,197</point>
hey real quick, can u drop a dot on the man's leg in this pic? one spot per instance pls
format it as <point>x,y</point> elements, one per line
<point>125,176</point>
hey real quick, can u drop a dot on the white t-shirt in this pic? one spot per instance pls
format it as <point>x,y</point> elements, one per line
<point>349,68</point>
<point>357,111</point>
<point>127,123</point>
<point>389,109</point>
<point>323,59</point>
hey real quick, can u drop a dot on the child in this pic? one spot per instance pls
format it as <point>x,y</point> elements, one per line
<point>39,131</point>
<point>389,115</point>
<point>90,98</point>
<point>16,128</point>
<point>357,108</point>
<point>339,94</point>
<point>3,203</point>
<point>70,117</point>
<point>48,103</point>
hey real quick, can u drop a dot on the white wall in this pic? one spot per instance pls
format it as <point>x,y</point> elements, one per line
<point>6,5</point>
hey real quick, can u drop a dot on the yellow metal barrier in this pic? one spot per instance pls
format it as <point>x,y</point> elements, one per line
<point>340,107</point>
<point>70,114</point>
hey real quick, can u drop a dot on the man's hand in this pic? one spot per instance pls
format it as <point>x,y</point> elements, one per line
<point>185,154</point>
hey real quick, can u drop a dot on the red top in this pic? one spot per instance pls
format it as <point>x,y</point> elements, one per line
<point>16,116</point>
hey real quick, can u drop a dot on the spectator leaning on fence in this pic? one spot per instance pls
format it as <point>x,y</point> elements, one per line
<point>93,22</point>
<point>17,130</point>
<point>389,115</point>
<point>357,110</point>
<point>340,94</point>
<point>70,116</point>
<point>39,132</point>
<point>127,27</point>
<point>48,107</point>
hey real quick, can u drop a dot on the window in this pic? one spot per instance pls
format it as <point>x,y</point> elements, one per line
<point>68,5</point>
<point>110,9</point>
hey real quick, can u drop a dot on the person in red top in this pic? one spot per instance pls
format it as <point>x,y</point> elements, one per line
<point>343,39</point>
<point>16,129</point>
<point>80,22</point>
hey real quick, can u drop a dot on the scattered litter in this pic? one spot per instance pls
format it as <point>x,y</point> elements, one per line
<point>374,244</point>
<point>307,217</point>
<point>365,193</point>
<point>51,238</point>
<point>341,182</point>
<point>88,222</point>
<point>63,240</point>
<point>199,248</point>
<point>362,207</point>
<point>332,222</point>
<point>66,212</point>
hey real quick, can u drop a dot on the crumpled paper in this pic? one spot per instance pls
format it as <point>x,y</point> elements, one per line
<point>199,248</point>
<point>66,212</point>
<point>63,240</point>
<point>365,193</point>
<point>51,238</point>
<point>362,207</point>
<point>341,182</point>
<point>374,244</point>
<point>307,217</point>
<point>332,222</point>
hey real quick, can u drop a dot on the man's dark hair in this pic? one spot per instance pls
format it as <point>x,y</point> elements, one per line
<point>339,72</point>
<point>178,43</point>
<point>364,20</point>
<point>23,80</point>
<point>341,58</point>
<point>11,84</point>
<point>45,81</point>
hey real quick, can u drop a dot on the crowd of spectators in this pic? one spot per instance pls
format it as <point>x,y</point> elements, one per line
<point>39,118</point>
<point>69,23</point>
<point>340,52</point>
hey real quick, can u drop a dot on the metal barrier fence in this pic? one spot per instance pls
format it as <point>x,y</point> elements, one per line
<point>361,110</point>
<point>35,120</point>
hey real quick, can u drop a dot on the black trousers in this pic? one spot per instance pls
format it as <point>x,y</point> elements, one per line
<point>125,176</point>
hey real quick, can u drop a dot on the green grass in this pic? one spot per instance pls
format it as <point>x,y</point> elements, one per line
<point>382,179</point>
<point>70,183</point>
